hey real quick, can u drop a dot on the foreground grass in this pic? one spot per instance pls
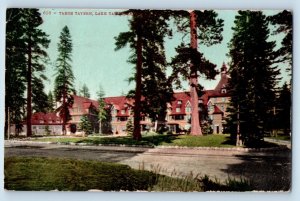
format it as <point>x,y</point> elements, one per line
<point>152,140</point>
<point>24,173</point>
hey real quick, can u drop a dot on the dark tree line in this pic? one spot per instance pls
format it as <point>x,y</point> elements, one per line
<point>26,56</point>
<point>254,79</point>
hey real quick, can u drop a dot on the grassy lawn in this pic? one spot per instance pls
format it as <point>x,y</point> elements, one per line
<point>281,137</point>
<point>152,140</point>
<point>201,141</point>
<point>36,173</point>
<point>221,140</point>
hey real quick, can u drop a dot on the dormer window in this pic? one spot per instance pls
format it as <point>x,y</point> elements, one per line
<point>178,109</point>
<point>188,109</point>
<point>179,102</point>
<point>122,111</point>
<point>223,91</point>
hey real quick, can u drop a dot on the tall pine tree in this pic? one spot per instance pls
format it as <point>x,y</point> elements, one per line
<point>103,114</point>
<point>147,30</point>
<point>15,67</point>
<point>189,62</point>
<point>253,76</point>
<point>63,87</point>
<point>36,41</point>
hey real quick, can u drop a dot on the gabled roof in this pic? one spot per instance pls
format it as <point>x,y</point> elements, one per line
<point>40,118</point>
<point>223,81</point>
<point>120,103</point>
<point>184,97</point>
<point>85,102</point>
<point>217,110</point>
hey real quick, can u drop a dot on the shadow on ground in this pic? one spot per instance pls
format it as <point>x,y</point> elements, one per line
<point>265,171</point>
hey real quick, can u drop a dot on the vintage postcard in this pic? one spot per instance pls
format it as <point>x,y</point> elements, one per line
<point>148,100</point>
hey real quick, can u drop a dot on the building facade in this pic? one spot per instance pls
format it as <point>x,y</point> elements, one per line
<point>42,124</point>
<point>212,108</point>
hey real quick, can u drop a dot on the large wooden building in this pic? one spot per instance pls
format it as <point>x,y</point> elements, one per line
<point>212,107</point>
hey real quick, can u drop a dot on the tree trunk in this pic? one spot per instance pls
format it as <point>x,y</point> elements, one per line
<point>6,120</point>
<point>8,123</point>
<point>238,135</point>
<point>137,98</point>
<point>64,112</point>
<point>29,90</point>
<point>195,123</point>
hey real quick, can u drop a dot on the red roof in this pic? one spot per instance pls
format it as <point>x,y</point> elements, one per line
<point>121,104</point>
<point>223,81</point>
<point>217,110</point>
<point>84,103</point>
<point>180,101</point>
<point>41,118</point>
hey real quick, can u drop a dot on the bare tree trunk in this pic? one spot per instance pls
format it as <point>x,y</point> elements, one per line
<point>195,123</point>
<point>8,123</point>
<point>137,98</point>
<point>64,112</point>
<point>238,135</point>
<point>29,89</point>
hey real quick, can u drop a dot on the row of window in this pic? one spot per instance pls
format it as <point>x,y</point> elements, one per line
<point>187,109</point>
<point>50,121</point>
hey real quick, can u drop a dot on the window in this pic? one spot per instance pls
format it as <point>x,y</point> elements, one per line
<point>179,102</point>
<point>210,108</point>
<point>223,99</point>
<point>188,109</point>
<point>178,109</point>
<point>178,117</point>
<point>223,91</point>
<point>222,107</point>
<point>122,118</point>
<point>114,112</point>
<point>143,118</point>
<point>41,121</point>
<point>122,111</point>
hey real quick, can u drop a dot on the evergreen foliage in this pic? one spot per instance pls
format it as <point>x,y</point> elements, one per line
<point>51,102</point>
<point>129,127</point>
<point>63,84</point>
<point>253,76</point>
<point>146,36</point>
<point>284,24</point>
<point>189,63</point>
<point>284,109</point>
<point>103,113</point>
<point>15,67</point>
<point>86,125</point>
<point>84,91</point>
<point>26,58</point>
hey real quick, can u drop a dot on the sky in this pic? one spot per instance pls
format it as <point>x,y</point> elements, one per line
<point>94,60</point>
